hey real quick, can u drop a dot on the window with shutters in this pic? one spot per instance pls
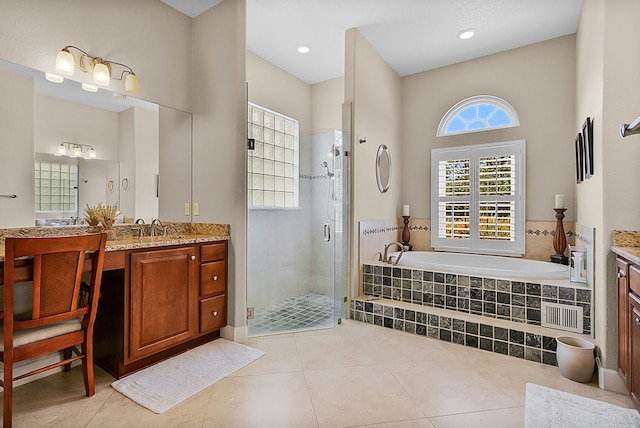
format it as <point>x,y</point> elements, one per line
<point>478,198</point>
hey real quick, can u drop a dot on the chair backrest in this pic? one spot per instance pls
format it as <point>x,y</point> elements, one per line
<point>58,265</point>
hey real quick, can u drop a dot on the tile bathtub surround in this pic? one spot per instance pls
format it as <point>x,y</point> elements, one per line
<point>514,301</point>
<point>432,323</point>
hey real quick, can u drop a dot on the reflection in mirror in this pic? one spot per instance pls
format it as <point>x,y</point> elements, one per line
<point>383,168</point>
<point>135,141</point>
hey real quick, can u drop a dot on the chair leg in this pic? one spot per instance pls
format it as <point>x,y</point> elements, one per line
<point>67,354</point>
<point>7,401</point>
<point>87,369</point>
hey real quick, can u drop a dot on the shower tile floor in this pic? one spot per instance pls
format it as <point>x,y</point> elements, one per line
<point>306,311</point>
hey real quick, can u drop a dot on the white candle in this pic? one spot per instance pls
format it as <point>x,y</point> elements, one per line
<point>405,210</point>
<point>559,202</point>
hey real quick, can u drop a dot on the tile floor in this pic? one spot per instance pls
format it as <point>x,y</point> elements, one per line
<point>354,375</point>
<point>308,310</point>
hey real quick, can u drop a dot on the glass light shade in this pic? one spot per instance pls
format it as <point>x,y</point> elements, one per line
<point>62,150</point>
<point>76,151</point>
<point>132,84</point>
<point>53,78</point>
<point>89,88</point>
<point>101,74</point>
<point>65,62</point>
<point>92,153</point>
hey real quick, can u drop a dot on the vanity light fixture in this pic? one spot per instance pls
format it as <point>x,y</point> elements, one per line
<point>67,60</point>
<point>467,33</point>
<point>89,88</point>
<point>75,150</point>
<point>53,78</point>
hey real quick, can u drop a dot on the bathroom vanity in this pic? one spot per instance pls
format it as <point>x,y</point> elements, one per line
<point>159,296</point>
<point>628,274</point>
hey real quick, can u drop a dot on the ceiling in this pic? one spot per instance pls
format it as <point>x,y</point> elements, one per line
<point>411,35</point>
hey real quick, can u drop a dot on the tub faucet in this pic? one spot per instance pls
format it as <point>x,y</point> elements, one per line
<point>389,259</point>
<point>154,224</point>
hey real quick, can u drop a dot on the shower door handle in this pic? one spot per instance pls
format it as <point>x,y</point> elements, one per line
<point>327,232</point>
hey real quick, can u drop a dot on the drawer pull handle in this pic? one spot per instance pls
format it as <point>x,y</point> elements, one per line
<point>215,314</point>
<point>215,277</point>
<point>638,321</point>
<point>193,257</point>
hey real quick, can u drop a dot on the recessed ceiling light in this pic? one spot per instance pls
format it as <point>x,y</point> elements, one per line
<point>467,33</point>
<point>303,49</point>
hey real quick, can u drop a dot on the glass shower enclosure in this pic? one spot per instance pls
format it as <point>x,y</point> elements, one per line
<point>295,257</point>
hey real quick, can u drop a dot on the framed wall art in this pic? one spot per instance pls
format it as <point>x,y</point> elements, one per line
<point>587,144</point>
<point>579,159</point>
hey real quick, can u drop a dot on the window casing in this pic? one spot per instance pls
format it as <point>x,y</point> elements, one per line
<point>478,113</point>
<point>273,166</point>
<point>478,198</point>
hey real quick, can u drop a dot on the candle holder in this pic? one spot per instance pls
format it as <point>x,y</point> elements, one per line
<point>559,240</point>
<point>406,233</point>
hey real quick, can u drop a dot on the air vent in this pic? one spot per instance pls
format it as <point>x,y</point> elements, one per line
<point>562,317</point>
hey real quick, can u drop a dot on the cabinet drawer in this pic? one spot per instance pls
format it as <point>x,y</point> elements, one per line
<point>213,313</point>
<point>213,252</point>
<point>213,278</point>
<point>634,279</point>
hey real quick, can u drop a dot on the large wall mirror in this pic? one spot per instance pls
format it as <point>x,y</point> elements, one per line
<point>65,148</point>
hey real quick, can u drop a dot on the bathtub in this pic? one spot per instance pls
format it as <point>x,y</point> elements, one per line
<point>483,266</point>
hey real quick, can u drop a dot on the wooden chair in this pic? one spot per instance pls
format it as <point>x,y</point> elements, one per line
<point>62,314</point>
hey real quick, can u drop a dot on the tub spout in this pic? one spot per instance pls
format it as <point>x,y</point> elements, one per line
<point>387,259</point>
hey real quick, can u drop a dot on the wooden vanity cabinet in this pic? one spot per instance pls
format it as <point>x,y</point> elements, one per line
<point>163,289</point>
<point>213,286</point>
<point>629,326</point>
<point>166,300</point>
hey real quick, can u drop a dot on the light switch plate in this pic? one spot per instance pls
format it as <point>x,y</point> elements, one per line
<point>186,209</point>
<point>196,208</point>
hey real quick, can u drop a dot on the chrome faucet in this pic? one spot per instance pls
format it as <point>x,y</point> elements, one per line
<point>154,224</point>
<point>390,259</point>
<point>140,229</point>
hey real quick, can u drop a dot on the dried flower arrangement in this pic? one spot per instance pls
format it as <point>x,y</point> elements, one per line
<point>103,214</point>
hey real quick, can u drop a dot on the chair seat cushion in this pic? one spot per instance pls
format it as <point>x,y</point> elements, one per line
<point>24,337</point>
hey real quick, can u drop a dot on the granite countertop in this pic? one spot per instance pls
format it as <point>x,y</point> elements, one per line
<point>125,237</point>
<point>627,245</point>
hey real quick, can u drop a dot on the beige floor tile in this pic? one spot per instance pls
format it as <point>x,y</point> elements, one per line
<point>273,400</point>
<point>281,355</point>
<point>502,418</point>
<point>446,387</point>
<point>416,423</point>
<point>359,396</point>
<point>333,350</point>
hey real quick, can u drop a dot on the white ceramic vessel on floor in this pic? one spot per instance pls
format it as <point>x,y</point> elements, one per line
<point>575,358</point>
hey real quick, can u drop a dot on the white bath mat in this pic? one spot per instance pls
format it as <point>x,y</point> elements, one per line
<point>550,408</point>
<point>163,385</point>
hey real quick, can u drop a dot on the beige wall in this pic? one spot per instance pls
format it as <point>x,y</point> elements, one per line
<point>374,91</point>
<point>219,138</point>
<point>607,87</point>
<point>538,81</point>
<point>326,105</point>
<point>131,32</point>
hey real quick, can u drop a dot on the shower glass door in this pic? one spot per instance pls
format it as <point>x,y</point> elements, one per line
<point>291,250</point>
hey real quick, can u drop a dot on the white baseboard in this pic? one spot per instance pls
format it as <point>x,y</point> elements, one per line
<point>610,380</point>
<point>235,334</point>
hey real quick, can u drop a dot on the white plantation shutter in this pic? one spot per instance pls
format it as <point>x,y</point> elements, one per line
<point>478,198</point>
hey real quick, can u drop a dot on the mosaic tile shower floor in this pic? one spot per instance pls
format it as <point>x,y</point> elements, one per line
<point>307,311</point>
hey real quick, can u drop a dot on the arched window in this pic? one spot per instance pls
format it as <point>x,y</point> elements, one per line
<point>479,113</point>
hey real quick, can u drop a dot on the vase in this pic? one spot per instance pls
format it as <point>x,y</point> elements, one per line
<point>575,358</point>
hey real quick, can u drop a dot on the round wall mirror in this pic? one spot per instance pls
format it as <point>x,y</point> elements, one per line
<point>383,168</point>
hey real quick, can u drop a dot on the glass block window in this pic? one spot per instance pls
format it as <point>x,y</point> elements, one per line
<point>273,165</point>
<point>478,198</point>
<point>479,113</point>
<point>56,188</point>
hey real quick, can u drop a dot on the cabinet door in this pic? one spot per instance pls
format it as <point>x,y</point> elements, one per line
<point>633,379</point>
<point>623,318</point>
<point>164,300</point>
